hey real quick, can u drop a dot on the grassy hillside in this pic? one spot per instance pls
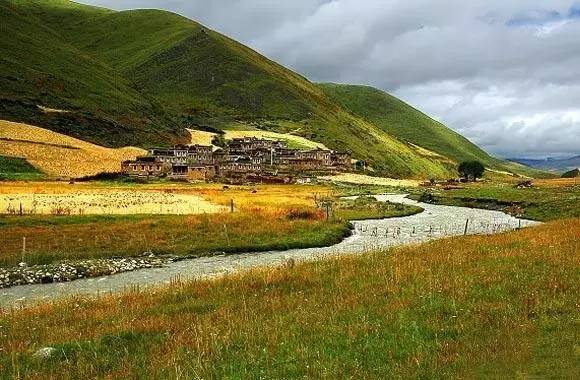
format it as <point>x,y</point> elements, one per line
<point>405,122</point>
<point>141,77</point>
<point>60,155</point>
<point>39,67</point>
<point>17,168</point>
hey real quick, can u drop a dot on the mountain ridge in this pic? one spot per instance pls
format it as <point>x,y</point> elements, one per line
<point>122,90</point>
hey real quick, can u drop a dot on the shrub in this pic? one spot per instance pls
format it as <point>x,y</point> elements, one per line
<point>471,170</point>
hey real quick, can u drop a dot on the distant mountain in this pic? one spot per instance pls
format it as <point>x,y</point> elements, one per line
<point>141,77</point>
<point>551,164</point>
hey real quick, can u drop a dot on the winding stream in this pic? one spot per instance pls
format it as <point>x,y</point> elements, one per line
<point>435,222</point>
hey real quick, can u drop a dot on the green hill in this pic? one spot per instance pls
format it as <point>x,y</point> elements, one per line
<point>141,77</point>
<point>405,122</point>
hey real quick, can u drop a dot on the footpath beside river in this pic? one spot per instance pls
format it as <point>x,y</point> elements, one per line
<point>436,221</point>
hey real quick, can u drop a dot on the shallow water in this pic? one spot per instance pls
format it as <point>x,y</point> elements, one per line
<point>435,222</point>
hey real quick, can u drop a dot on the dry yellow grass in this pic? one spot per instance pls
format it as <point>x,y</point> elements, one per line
<point>292,139</point>
<point>60,155</point>
<point>155,198</point>
<point>360,179</point>
<point>205,138</point>
<point>201,137</point>
<point>557,182</point>
<point>106,202</point>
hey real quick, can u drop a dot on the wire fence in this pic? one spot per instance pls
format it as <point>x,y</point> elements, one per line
<point>431,230</point>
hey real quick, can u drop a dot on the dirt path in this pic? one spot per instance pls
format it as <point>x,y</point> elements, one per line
<point>435,222</point>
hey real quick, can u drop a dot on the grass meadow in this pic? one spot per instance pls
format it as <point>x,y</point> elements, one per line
<point>547,199</point>
<point>503,306</point>
<point>265,218</point>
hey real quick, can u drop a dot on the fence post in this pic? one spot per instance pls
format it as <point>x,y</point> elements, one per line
<point>466,226</point>
<point>231,205</point>
<point>23,248</point>
<point>227,236</point>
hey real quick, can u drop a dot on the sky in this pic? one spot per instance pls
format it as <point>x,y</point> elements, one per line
<point>503,73</point>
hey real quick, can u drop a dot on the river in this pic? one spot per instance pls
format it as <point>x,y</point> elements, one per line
<point>436,221</point>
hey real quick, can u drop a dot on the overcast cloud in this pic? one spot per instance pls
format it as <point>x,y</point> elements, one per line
<point>506,74</point>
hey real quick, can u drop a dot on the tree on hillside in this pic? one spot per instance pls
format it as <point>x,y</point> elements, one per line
<point>471,170</point>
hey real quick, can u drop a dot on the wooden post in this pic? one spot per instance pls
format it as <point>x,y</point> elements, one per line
<point>227,236</point>
<point>23,247</point>
<point>21,210</point>
<point>519,224</point>
<point>231,205</point>
<point>466,226</point>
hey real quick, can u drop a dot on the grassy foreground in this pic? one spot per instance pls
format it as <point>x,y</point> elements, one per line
<point>494,306</point>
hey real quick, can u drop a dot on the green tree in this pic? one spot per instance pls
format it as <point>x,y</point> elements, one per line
<point>471,170</point>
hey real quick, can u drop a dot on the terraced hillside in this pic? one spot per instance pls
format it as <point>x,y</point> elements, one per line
<point>141,77</point>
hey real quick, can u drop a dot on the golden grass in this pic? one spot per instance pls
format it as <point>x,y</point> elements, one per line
<point>361,179</point>
<point>204,197</point>
<point>201,137</point>
<point>205,138</point>
<point>106,202</point>
<point>60,155</point>
<point>297,140</point>
<point>468,307</point>
<point>557,182</point>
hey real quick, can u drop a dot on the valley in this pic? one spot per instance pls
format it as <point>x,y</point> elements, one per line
<point>176,204</point>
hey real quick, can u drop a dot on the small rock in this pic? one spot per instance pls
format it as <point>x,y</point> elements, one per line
<point>44,353</point>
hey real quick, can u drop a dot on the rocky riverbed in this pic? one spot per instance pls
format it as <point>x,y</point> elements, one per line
<point>74,270</point>
<point>435,222</point>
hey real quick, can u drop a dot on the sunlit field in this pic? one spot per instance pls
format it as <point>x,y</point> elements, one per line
<point>469,307</point>
<point>59,155</point>
<point>104,220</point>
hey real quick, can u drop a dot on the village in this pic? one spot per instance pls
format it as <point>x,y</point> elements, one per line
<point>240,160</point>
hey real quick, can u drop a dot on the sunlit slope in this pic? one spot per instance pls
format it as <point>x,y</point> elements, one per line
<point>59,155</point>
<point>38,66</point>
<point>400,119</point>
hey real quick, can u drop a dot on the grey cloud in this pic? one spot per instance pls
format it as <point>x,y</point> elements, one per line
<point>493,70</point>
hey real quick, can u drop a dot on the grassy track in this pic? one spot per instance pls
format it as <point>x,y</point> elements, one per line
<point>469,307</point>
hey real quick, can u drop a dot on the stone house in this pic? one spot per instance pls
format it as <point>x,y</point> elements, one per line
<point>146,167</point>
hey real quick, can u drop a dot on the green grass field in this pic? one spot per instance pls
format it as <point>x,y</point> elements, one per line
<point>469,307</point>
<point>543,203</point>
<point>364,208</point>
<point>13,168</point>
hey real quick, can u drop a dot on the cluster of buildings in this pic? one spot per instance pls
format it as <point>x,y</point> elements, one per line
<point>241,159</point>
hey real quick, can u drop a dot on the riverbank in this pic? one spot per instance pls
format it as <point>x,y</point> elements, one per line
<point>541,200</point>
<point>435,222</point>
<point>466,307</point>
